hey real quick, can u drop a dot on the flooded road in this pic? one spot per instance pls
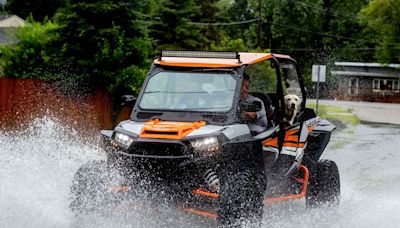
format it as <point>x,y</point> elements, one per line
<point>37,165</point>
<point>369,171</point>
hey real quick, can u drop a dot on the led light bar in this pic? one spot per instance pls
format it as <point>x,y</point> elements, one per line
<point>200,54</point>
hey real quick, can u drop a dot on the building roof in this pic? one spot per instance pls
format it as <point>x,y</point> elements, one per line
<point>11,21</point>
<point>365,74</point>
<point>359,64</point>
<point>246,58</point>
<point>359,69</point>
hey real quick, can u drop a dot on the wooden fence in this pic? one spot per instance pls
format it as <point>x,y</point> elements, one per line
<point>23,100</point>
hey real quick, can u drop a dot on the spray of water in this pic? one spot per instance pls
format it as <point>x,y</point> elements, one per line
<point>369,182</point>
<point>37,166</point>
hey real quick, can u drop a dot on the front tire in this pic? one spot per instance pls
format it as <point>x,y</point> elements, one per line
<point>89,187</point>
<point>324,186</point>
<point>241,199</point>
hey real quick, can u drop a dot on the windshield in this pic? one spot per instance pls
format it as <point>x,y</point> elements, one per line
<point>192,91</point>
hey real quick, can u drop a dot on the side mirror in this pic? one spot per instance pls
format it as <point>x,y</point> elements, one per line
<point>128,100</point>
<point>254,106</point>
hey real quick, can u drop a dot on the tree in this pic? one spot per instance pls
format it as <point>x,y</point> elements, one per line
<point>383,18</point>
<point>171,28</point>
<point>39,9</point>
<point>209,14</point>
<point>240,11</point>
<point>103,43</point>
<point>30,56</point>
<point>316,32</point>
<point>293,24</point>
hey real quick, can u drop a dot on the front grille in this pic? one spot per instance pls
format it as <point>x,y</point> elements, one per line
<point>158,149</point>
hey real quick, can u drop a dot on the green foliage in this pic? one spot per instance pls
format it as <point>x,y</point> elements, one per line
<point>239,11</point>
<point>316,32</point>
<point>335,113</point>
<point>130,78</point>
<point>96,43</point>
<point>229,45</point>
<point>291,21</point>
<point>99,41</point>
<point>107,43</point>
<point>383,18</point>
<point>172,30</point>
<point>29,57</point>
<point>209,13</point>
<point>263,77</point>
<point>38,9</point>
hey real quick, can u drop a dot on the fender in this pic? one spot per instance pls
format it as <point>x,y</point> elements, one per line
<point>319,138</point>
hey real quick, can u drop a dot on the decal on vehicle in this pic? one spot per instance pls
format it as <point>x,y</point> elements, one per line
<point>291,139</point>
<point>308,126</point>
<point>312,124</point>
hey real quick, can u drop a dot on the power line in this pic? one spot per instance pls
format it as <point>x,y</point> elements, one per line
<point>281,25</point>
<point>331,11</point>
<point>225,23</point>
<point>336,13</point>
<point>318,33</point>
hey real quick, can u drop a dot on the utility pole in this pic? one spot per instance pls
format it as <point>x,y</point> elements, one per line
<point>259,23</point>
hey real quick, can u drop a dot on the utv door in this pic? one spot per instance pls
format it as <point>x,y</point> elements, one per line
<point>283,144</point>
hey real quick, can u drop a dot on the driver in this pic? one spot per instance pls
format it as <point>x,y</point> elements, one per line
<point>257,121</point>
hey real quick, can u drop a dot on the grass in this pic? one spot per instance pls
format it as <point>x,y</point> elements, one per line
<point>343,118</point>
<point>336,114</point>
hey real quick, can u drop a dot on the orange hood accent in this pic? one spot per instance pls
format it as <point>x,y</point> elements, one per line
<point>169,130</point>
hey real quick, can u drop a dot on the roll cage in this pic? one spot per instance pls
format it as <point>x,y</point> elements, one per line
<point>233,63</point>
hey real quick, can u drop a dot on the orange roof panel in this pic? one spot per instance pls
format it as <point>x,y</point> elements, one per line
<point>246,58</point>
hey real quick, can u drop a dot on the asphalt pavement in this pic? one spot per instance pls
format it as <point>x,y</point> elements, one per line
<point>368,111</point>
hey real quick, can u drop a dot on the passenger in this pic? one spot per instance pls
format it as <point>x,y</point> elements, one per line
<point>257,121</point>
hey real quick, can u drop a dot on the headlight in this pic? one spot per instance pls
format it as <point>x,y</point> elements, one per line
<point>123,140</point>
<point>207,145</point>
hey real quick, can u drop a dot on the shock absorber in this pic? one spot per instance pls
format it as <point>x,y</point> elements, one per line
<point>212,180</point>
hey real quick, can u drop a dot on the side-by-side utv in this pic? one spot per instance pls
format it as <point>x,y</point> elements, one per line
<point>187,141</point>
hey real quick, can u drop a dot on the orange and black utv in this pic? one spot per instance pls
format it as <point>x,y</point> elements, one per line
<point>187,139</point>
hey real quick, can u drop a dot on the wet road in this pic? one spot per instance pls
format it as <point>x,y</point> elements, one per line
<point>369,171</point>
<point>37,165</point>
<point>372,112</point>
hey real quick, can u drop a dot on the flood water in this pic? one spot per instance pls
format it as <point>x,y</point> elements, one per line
<point>369,171</point>
<point>38,163</point>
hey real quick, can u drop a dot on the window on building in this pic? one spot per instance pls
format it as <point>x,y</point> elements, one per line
<point>376,84</point>
<point>388,85</point>
<point>353,86</point>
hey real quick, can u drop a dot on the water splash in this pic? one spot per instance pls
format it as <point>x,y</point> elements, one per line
<point>36,168</point>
